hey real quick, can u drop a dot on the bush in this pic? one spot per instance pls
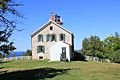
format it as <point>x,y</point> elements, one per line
<point>78,56</point>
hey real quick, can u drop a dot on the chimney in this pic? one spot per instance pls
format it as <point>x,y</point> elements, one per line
<point>56,18</point>
<point>52,17</point>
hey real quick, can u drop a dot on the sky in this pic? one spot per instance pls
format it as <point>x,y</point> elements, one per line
<point>82,17</point>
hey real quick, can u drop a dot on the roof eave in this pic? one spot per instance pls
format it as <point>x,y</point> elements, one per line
<point>35,32</point>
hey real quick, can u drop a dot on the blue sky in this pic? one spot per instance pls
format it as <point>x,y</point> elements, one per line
<point>82,17</point>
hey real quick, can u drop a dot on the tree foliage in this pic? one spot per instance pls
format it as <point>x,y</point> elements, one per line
<point>115,57</point>
<point>111,46</point>
<point>7,25</point>
<point>28,53</point>
<point>108,48</point>
<point>92,46</point>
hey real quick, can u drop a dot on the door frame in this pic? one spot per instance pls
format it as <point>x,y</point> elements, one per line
<point>63,54</point>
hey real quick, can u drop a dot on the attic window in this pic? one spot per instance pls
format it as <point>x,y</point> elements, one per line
<point>51,28</point>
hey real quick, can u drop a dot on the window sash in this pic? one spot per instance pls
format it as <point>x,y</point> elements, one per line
<point>51,37</point>
<point>62,37</point>
<point>48,37</point>
<point>40,38</point>
<point>40,49</point>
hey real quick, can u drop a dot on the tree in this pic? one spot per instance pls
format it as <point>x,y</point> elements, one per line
<point>28,53</point>
<point>86,47</point>
<point>108,48</point>
<point>92,46</point>
<point>7,26</point>
<point>96,46</point>
<point>111,45</point>
<point>115,57</point>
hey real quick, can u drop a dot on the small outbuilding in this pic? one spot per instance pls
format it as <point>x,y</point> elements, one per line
<point>60,51</point>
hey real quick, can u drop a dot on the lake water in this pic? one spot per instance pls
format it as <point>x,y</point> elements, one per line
<point>17,53</point>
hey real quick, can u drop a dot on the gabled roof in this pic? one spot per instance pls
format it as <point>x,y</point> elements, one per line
<point>45,25</point>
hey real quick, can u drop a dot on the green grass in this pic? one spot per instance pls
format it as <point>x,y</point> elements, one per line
<point>44,70</point>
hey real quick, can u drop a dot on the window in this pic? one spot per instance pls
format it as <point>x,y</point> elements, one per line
<point>51,28</point>
<point>51,37</point>
<point>62,37</point>
<point>40,49</point>
<point>40,38</point>
<point>48,37</point>
<point>40,57</point>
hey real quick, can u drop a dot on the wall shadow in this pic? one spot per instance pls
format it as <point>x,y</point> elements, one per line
<point>34,74</point>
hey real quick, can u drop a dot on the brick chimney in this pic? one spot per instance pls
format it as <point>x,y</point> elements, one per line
<point>56,18</point>
<point>52,17</point>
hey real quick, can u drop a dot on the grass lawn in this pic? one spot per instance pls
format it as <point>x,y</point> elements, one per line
<point>44,70</point>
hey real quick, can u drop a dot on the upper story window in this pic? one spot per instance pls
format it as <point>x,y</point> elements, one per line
<point>51,27</point>
<point>48,37</point>
<point>51,37</point>
<point>40,38</point>
<point>62,37</point>
<point>40,49</point>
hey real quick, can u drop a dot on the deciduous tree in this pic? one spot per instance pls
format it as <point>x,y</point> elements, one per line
<point>7,25</point>
<point>92,46</point>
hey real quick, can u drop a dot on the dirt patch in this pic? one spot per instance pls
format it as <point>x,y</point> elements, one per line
<point>5,70</point>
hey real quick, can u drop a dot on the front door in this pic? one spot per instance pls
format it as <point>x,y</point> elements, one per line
<point>63,55</point>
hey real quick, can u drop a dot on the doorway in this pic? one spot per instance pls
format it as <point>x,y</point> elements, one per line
<point>63,54</point>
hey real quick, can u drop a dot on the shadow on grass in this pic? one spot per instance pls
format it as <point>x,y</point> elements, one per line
<point>2,62</point>
<point>1,67</point>
<point>34,74</point>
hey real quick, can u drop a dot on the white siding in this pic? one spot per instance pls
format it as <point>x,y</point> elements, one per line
<point>56,51</point>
